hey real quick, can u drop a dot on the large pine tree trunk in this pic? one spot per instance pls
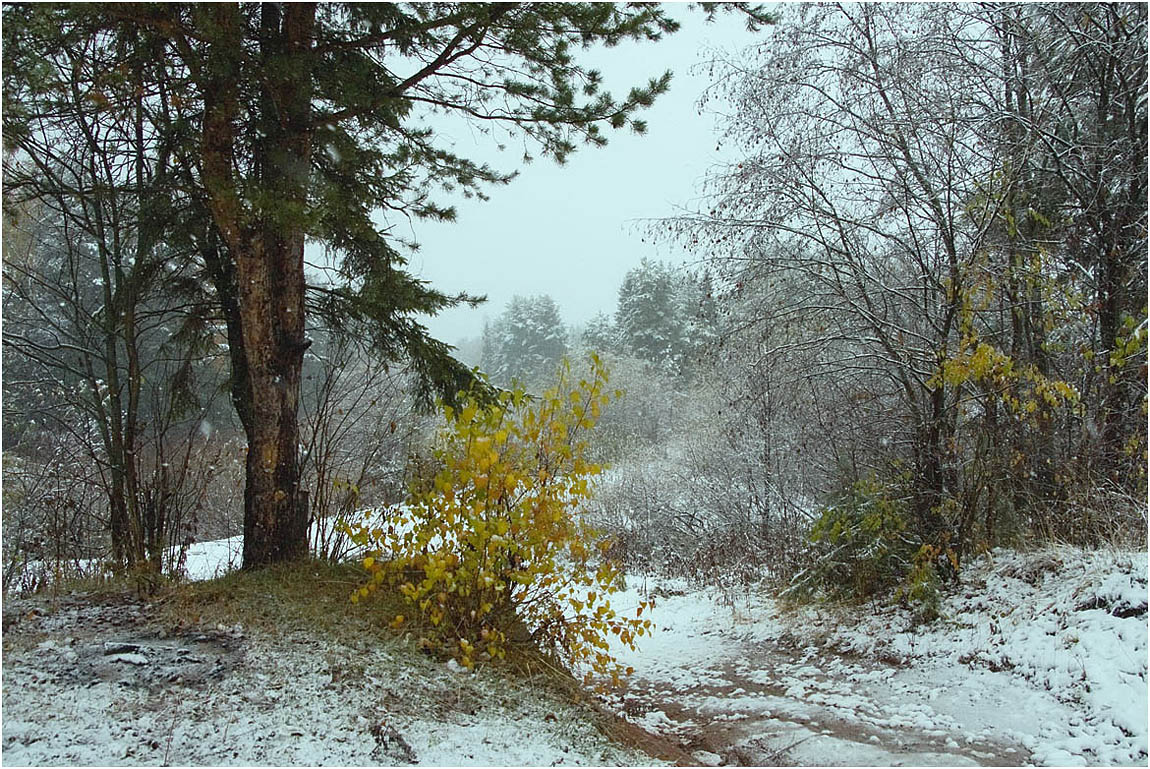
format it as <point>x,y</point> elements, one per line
<point>270,277</point>
<point>261,277</point>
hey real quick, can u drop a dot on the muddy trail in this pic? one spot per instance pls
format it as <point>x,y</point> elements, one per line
<point>769,704</point>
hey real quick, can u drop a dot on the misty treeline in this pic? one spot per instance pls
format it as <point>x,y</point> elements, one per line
<point>686,470</point>
<point>913,327</point>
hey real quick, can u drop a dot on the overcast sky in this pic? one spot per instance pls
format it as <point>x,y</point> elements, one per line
<point>573,231</point>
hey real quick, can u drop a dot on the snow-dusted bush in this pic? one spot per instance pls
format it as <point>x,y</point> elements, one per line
<point>493,549</point>
<point>866,544</point>
<point>863,545</point>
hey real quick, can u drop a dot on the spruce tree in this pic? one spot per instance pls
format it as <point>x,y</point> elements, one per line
<point>526,342</point>
<point>295,122</point>
<point>650,314</point>
<point>600,334</point>
<point>666,315</point>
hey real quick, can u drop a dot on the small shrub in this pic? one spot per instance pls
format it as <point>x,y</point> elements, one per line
<point>493,550</point>
<point>920,587</point>
<point>862,546</point>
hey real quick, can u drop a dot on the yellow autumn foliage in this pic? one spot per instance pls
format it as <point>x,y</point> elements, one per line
<point>1022,387</point>
<point>493,550</point>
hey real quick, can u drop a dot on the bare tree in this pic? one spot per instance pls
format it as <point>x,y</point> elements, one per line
<point>899,244</point>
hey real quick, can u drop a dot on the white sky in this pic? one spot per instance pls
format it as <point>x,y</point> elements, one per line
<point>573,231</point>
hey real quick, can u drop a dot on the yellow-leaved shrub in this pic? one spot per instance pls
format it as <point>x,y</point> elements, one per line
<point>493,550</point>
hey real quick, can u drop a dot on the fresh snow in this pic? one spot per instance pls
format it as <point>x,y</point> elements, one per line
<point>225,696</point>
<point>289,705</point>
<point>1040,658</point>
<point>198,561</point>
<point>208,560</point>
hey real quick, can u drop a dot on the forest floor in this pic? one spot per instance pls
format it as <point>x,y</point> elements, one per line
<point>1040,658</point>
<point>275,668</point>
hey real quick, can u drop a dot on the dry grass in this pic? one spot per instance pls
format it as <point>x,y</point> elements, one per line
<point>311,596</point>
<point>314,597</point>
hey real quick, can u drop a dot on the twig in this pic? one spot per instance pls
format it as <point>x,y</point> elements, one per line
<point>171,733</point>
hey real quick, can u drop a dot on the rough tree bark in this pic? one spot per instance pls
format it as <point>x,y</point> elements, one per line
<point>265,244</point>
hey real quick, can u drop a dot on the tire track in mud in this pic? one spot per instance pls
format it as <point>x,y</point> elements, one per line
<point>768,704</point>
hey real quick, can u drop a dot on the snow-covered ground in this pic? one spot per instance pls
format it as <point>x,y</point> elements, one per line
<point>1040,658</point>
<point>295,701</point>
<point>103,682</point>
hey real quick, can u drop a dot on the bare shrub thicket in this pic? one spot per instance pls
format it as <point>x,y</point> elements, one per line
<point>359,426</point>
<point>56,517</point>
<point>694,489</point>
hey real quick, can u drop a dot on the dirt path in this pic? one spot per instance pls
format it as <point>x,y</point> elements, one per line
<point>735,688</point>
<point>773,705</point>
